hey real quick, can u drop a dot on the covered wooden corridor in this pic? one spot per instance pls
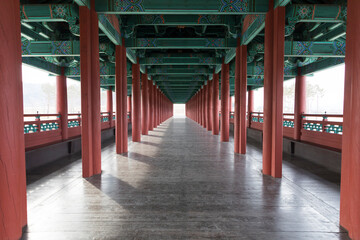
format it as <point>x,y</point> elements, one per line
<point>182,182</point>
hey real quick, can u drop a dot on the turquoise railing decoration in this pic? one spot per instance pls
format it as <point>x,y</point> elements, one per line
<point>49,126</point>
<point>288,123</point>
<point>105,119</point>
<point>113,117</point>
<point>73,123</point>
<point>30,128</point>
<point>313,126</point>
<point>336,129</point>
<point>261,120</point>
<point>254,119</point>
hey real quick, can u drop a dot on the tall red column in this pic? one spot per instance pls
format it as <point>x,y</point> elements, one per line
<point>215,98</point>
<point>119,99</point>
<point>124,97</point>
<point>145,105</point>
<point>109,105</point>
<point>300,103</point>
<point>273,91</point>
<point>350,162</point>
<point>136,117</point>
<point>205,106</point>
<point>90,91</point>
<point>225,97</point>
<point>151,112</point>
<point>237,100</point>
<point>61,104</point>
<point>250,105</point>
<point>13,215</point>
<point>243,88</point>
<point>209,108</point>
<point>129,106</point>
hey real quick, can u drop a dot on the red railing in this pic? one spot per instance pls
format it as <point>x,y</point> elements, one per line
<point>44,129</point>
<point>40,129</point>
<point>320,129</point>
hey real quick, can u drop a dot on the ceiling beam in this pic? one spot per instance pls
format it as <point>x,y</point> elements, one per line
<point>180,61</point>
<point>180,43</point>
<point>171,7</point>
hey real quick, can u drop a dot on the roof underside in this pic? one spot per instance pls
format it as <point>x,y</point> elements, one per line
<point>182,43</point>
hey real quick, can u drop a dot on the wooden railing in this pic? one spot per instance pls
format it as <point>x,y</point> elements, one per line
<point>321,129</point>
<point>44,129</point>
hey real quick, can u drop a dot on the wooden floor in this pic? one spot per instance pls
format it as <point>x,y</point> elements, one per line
<point>180,182</point>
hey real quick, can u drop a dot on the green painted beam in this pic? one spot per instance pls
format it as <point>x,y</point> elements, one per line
<point>110,25</point>
<point>321,65</point>
<point>59,48</point>
<point>180,20</point>
<point>316,12</point>
<point>83,2</point>
<point>179,61</point>
<point>252,26</point>
<point>42,64</point>
<point>307,49</point>
<point>180,78</point>
<point>50,48</point>
<point>181,7</point>
<point>180,43</point>
<point>175,70</point>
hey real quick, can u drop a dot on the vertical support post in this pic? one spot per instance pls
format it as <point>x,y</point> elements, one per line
<point>90,91</point>
<point>225,96</point>
<point>151,110</point>
<point>129,107</point>
<point>250,105</point>
<point>209,108</point>
<point>205,106</point>
<point>13,215</point>
<point>300,103</point>
<point>119,99</point>
<point>237,100</point>
<point>124,97</point>
<point>61,104</point>
<point>350,160</point>
<point>109,105</point>
<point>242,89</point>
<point>215,99</point>
<point>273,91</point>
<point>145,105</point>
<point>136,118</point>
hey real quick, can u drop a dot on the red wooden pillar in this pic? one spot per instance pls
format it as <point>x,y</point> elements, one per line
<point>237,100</point>
<point>209,108</point>
<point>225,97</point>
<point>12,147</point>
<point>300,103</point>
<point>129,107</point>
<point>124,97</point>
<point>273,91</point>
<point>205,105</point>
<point>61,104</point>
<point>350,162</point>
<point>119,106</point>
<point>151,110</point>
<point>145,105</point>
<point>215,99</point>
<point>136,116</point>
<point>250,105</point>
<point>243,88</point>
<point>90,91</point>
<point>109,105</point>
